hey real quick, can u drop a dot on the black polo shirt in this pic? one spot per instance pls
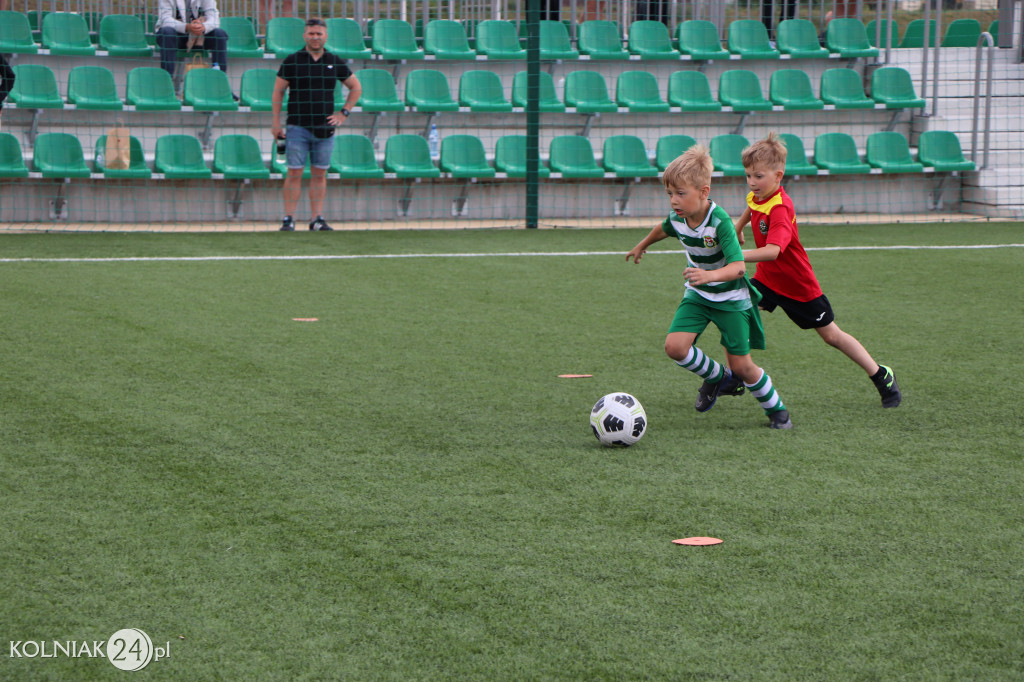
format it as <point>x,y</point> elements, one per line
<point>311,86</point>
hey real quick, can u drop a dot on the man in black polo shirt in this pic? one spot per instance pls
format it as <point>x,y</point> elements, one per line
<point>310,76</point>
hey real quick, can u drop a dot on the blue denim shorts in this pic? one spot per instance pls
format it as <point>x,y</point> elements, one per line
<point>302,144</point>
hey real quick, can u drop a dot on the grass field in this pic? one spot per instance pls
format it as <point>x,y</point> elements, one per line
<point>405,490</point>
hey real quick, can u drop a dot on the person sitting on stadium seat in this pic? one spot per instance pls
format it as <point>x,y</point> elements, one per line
<point>184,24</point>
<point>6,79</point>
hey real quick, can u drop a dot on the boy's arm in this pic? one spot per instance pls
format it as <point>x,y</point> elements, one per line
<point>768,252</point>
<point>726,273</point>
<point>656,235</point>
<point>741,223</point>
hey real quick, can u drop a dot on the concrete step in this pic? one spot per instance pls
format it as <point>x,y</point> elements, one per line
<point>994,178</point>
<point>996,196</point>
<point>1014,211</point>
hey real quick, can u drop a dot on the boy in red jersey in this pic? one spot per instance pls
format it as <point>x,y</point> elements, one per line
<point>784,275</point>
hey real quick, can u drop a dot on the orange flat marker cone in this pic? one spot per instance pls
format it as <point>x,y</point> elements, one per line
<point>698,542</point>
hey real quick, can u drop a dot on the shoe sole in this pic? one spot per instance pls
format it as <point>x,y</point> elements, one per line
<point>714,399</point>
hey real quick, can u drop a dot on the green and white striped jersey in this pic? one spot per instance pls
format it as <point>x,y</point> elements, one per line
<point>710,246</point>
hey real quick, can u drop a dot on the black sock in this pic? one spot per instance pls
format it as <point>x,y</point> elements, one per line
<point>878,376</point>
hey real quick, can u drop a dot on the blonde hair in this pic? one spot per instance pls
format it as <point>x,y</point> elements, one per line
<point>692,168</point>
<point>769,152</point>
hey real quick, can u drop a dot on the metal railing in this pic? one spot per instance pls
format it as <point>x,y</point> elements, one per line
<point>984,38</point>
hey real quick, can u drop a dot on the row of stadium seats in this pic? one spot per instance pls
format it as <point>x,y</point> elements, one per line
<point>60,155</point>
<point>427,90</point>
<point>123,35</point>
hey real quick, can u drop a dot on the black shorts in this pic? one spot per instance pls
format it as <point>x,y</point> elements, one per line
<point>812,314</point>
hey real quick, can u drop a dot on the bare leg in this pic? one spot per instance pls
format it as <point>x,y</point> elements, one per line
<point>292,190</point>
<point>851,347</point>
<point>317,190</point>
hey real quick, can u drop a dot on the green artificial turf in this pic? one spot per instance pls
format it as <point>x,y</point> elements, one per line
<point>405,490</point>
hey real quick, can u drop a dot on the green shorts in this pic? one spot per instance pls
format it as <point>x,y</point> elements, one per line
<point>741,329</point>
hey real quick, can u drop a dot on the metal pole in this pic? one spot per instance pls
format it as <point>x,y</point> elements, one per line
<point>924,49</point>
<point>983,38</point>
<point>532,112</point>
<point>935,75</point>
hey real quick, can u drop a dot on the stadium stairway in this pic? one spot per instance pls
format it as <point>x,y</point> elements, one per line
<point>998,189</point>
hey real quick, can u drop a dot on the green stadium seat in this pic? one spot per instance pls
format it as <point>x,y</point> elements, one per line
<point>894,30</point>
<point>257,89</point>
<point>497,39</point>
<point>549,101</point>
<point>482,91</point>
<point>510,157</point>
<point>748,38</point>
<point>35,22</point>
<point>180,157</point>
<point>791,89</point>
<point>427,90</point>
<point>554,41</point>
<point>93,87</point>
<point>284,36</point>
<point>993,30</point>
<point>892,86</point>
<point>690,91</point>
<point>12,161</point>
<point>150,88</point>
<point>651,40</point>
<point>65,33</point>
<point>837,153</point>
<point>238,157</point>
<point>124,35</point>
<point>962,33</point>
<point>35,87</point>
<point>379,91</point>
<point>699,38</point>
<point>741,90</point>
<point>394,39</point>
<point>626,156</point>
<point>408,156</point>
<point>208,90</point>
<point>799,39</point>
<point>446,39</point>
<point>59,155</point>
<point>669,147</point>
<point>727,154</point>
<point>353,157</point>
<point>16,34</point>
<point>345,39</point>
<point>844,89</point>
<point>242,42</point>
<point>796,156</point>
<point>463,156</point>
<point>599,39</point>
<point>136,169</point>
<point>941,150</point>
<point>573,157</point>
<point>848,38</point>
<point>638,90</point>
<point>889,151</point>
<point>914,35</point>
<point>587,92</point>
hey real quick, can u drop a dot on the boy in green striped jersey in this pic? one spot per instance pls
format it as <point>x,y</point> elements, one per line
<point>717,290</point>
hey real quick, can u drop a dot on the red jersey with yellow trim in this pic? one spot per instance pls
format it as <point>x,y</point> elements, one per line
<point>773,221</point>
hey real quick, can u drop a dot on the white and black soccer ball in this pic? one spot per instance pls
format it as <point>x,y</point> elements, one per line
<point>618,419</point>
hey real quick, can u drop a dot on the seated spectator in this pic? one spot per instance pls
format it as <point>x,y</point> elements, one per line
<point>185,24</point>
<point>6,79</point>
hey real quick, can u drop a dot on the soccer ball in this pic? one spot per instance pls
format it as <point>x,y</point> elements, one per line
<point>618,419</point>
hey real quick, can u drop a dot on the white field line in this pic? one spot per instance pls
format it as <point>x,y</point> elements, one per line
<point>521,254</point>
